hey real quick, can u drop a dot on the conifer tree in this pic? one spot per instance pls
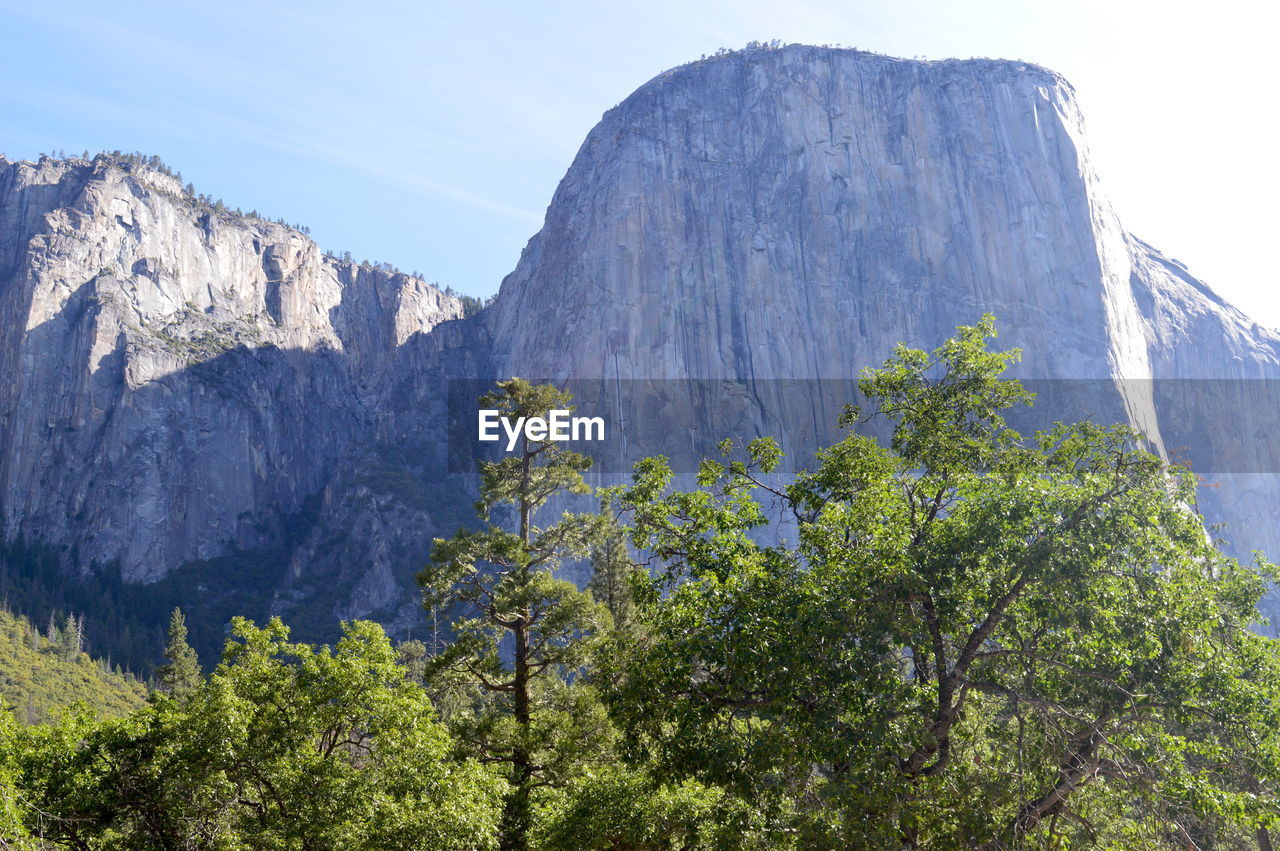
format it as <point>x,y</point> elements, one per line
<point>611,570</point>
<point>71,639</point>
<point>180,674</point>
<point>523,634</point>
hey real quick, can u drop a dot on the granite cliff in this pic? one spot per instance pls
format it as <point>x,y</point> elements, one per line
<point>185,386</point>
<point>794,213</point>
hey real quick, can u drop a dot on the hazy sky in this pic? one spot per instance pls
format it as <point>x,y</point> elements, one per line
<point>432,135</point>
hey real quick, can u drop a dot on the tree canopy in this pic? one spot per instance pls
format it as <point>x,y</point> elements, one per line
<point>523,634</point>
<point>973,638</point>
<point>958,637</point>
<point>284,746</point>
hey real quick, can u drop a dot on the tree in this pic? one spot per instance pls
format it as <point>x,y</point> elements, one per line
<point>611,575</point>
<point>180,674</point>
<point>71,638</point>
<point>286,746</point>
<point>972,638</point>
<point>41,681</point>
<point>13,831</point>
<point>618,808</point>
<point>337,748</point>
<point>522,633</point>
<point>412,656</point>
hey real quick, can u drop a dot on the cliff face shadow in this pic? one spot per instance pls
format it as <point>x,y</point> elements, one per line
<point>253,480</point>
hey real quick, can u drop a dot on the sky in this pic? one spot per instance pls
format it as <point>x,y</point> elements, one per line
<point>431,135</point>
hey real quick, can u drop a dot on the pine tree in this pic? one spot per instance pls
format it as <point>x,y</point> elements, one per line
<point>71,639</point>
<point>523,634</point>
<point>180,674</point>
<point>412,656</point>
<point>611,570</point>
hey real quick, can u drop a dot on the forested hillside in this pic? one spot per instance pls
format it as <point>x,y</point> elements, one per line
<point>42,670</point>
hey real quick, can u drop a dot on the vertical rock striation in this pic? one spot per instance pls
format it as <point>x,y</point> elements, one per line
<point>180,382</point>
<point>796,212</point>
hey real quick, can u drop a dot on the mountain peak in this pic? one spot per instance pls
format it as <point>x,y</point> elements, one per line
<point>192,392</point>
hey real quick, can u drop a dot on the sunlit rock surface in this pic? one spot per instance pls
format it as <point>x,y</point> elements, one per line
<point>182,384</point>
<point>797,212</point>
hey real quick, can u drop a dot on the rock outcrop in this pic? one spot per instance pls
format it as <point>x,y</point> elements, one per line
<point>182,383</point>
<point>185,385</point>
<point>794,213</point>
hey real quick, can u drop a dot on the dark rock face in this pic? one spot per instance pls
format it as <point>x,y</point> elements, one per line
<point>182,385</point>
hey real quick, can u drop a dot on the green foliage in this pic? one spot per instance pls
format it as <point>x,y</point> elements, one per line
<point>13,829</point>
<point>286,746</point>
<point>973,637</point>
<point>180,674</point>
<point>471,305</point>
<point>523,635</point>
<point>619,808</point>
<point>41,673</point>
<point>964,638</point>
<point>613,575</point>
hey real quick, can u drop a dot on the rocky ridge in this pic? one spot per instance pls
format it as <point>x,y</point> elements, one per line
<point>186,385</point>
<point>182,382</point>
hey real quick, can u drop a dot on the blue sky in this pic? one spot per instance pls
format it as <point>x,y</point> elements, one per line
<point>432,135</point>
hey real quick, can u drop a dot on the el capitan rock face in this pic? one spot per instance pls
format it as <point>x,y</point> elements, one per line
<point>183,385</point>
<point>797,212</point>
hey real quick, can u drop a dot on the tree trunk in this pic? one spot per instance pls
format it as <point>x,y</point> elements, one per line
<point>517,816</point>
<point>1077,769</point>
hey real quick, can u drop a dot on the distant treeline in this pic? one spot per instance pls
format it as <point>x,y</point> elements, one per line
<point>45,669</point>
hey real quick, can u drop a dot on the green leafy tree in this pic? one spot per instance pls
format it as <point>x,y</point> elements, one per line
<point>971,639</point>
<point>180,674</point>
<point>616,807</point>
<point>337,749</point>
<point>61,801</point>
<point>286,746</point>
<point>523,635</point>
<point>13,828</point>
